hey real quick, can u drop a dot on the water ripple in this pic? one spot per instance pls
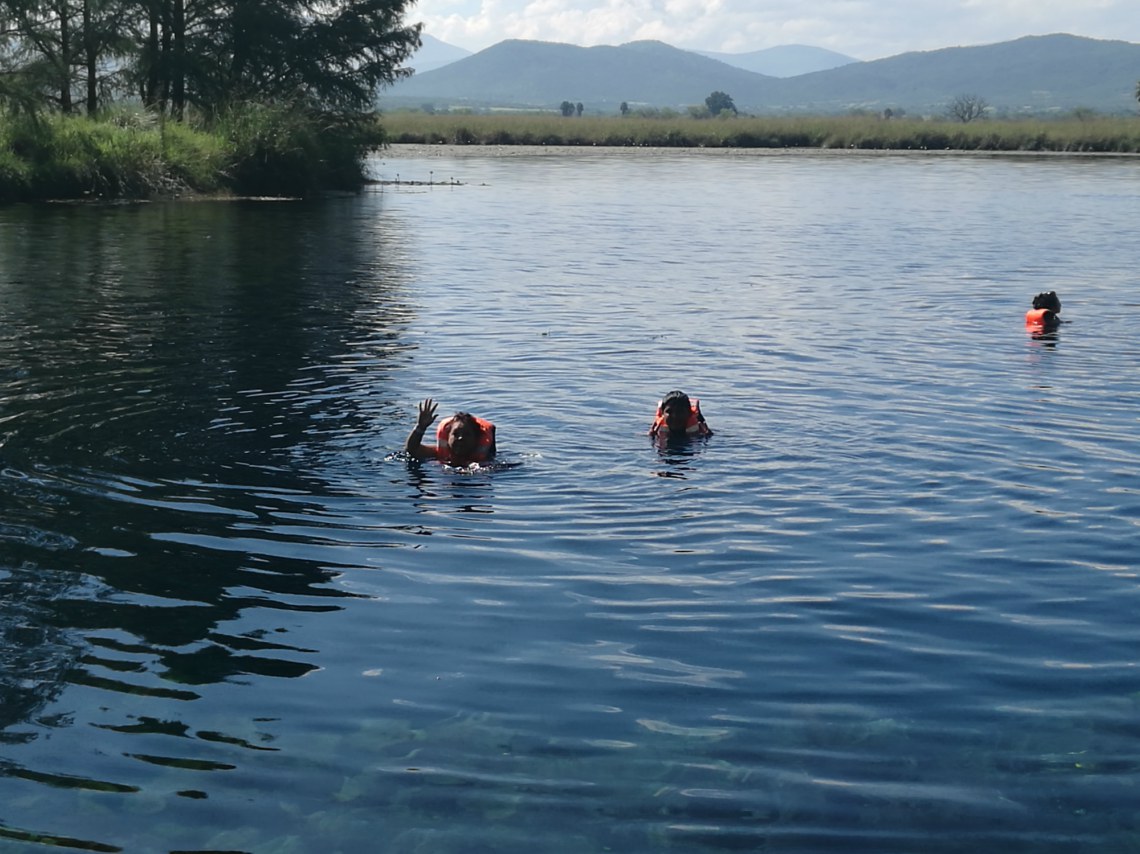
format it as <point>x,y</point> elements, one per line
<point>888,606</point>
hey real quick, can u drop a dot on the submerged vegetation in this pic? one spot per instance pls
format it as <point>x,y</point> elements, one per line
<point>1108,134</point>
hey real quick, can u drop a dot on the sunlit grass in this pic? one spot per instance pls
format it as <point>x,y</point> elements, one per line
<point>134,154</point>
<point>1088,134</point>
<point>76,158</point>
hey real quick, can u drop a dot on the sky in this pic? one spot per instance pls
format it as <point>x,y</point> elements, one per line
<point>863,29</point>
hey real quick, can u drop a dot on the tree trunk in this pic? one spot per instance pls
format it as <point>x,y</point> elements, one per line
<point>91,55</point>
<point>150,85</point>
<point>178,94</point>
<point>64,62</point>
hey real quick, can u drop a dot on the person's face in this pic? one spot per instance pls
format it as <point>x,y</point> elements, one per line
<point>676,414</point>
<point>462,438</point>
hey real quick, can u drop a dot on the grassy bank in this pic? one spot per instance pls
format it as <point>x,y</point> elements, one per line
<point>254,151</point>
<point>1092,134</point>
<point>276,151</point>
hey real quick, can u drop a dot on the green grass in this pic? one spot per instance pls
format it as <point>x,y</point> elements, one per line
<point>120,157</point>
<point>263,150</point>
<point>1089,134</point>
<point>257,150</point>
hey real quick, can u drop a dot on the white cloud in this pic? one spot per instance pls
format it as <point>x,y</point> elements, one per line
<point>866,29</point>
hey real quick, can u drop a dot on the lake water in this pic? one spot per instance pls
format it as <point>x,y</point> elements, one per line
<point>890,606</point>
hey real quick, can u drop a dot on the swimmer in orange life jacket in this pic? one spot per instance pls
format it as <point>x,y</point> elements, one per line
<point>1045,314</point>
<point>678,417</point>
<point>460,440</point>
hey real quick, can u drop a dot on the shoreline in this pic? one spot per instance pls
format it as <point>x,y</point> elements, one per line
<point>395,151</point>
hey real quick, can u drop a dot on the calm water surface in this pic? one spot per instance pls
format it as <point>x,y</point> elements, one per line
<point>889,607</point>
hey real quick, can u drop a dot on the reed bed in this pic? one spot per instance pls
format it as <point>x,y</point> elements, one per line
<point>1107,134</point>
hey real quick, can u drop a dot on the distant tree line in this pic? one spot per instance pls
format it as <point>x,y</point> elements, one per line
<point>717,103</point>
<point>209,55</point>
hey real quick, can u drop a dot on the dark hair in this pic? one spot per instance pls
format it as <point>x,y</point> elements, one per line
<point>1048,300</point>
<point>675,395</point>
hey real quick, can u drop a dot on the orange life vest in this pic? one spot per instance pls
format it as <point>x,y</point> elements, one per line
<point>484,450</point>
<point>694,425</point>
<point>1039,320</point>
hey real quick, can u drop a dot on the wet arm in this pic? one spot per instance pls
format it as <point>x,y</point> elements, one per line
<point>414,445</point>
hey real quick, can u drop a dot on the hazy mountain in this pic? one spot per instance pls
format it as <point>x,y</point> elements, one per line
<point>1032,74</point>
<point>788,60</point>
<point>539,73</point>
<point>434,53</point>
<point>531,73</point>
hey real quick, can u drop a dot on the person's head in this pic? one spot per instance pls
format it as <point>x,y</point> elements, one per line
<point>1048,300</point>
<point>676,409</point>
<point>462,434</point>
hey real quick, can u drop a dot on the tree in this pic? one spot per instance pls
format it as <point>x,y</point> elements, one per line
<point>966,108</point>
<point>333,55</point>
<point>40,47</point>
<point>329,55</point>
<point>103,40</point>
<point>1138,90</point>
<point>578,109</point>
<point>719,102</point>
<point>567,108</point>
<point>71,51</point>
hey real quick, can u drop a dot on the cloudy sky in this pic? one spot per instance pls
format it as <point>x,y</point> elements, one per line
<point>864,29</point>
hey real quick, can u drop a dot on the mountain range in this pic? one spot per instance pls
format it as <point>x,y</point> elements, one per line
<point>788,60</point>
<point>1030,75</point>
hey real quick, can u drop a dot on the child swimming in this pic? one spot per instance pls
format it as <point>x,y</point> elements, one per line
<point>460,440</point>
<point>1044,317</point>
<point>678,416</point>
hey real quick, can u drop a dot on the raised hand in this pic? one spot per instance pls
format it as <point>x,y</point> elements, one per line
<point>426,414</point>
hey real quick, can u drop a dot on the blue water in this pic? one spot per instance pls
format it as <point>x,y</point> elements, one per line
<point>888,607</point>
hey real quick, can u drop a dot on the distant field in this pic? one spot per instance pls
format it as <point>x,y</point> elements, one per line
<point>1087,134</point>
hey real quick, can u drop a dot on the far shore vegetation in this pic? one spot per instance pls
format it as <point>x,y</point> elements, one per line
<point>1080,131</point>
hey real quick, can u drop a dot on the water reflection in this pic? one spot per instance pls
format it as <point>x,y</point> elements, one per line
<point>466,490</point>
<point>678,453</point>
<point>217,343</point>
<point>895,606</point>
<point>196,333</point>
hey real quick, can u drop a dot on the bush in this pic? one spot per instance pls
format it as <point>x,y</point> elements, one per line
<point>292,151</point>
